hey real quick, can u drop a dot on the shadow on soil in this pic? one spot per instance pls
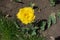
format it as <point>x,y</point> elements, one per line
<point>57,1</point>
<point>58,38</point>
<point>39,23</point>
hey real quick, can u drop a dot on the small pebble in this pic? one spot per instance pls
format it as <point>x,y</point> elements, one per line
<point>52,38</point>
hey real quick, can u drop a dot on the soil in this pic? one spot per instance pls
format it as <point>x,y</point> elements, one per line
<point>11,7</point>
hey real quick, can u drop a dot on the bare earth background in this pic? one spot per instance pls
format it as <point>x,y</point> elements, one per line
<point>10,7</point>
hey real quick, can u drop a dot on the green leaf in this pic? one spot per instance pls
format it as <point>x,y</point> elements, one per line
<point>43,24</point>
<point>35,28</point>
<point>52,2</point>
<point>51,20</point>
<point>33,33</point>
<point>31,4</point>
<point>58,15</point>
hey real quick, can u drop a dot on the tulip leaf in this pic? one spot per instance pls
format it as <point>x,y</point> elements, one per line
<point>43,24</point>
<point>32,4</point>
<point>51,20</point>
<point>52,2</point>
<point>58,15</point>
<point>33,33</point>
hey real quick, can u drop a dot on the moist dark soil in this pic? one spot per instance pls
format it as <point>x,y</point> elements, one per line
<point>11,7</point>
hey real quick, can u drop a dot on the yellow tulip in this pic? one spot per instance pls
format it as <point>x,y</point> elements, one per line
<point>26,15</point>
